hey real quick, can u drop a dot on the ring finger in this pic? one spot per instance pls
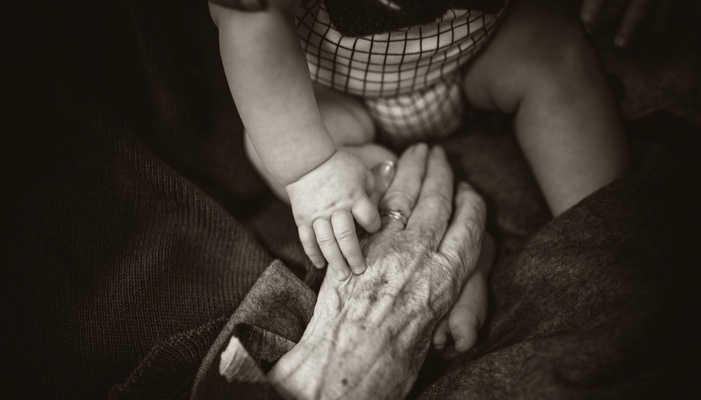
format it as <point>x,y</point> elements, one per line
<point>402,193</point>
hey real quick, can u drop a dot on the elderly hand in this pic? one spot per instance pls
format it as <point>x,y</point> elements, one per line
<point>636,11</point>
<point>371,332</point>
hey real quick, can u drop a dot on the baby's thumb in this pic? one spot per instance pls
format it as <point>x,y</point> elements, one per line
<point>382,175</point>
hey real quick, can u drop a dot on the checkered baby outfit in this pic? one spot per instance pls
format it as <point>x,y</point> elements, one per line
<point>408,78</point>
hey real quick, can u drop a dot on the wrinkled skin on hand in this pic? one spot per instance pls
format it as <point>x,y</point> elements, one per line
<point>371,332</point>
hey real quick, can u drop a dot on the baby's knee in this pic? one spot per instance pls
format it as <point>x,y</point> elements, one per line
<point>563,58</point>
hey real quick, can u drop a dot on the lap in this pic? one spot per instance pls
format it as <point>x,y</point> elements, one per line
<point>583,306</point>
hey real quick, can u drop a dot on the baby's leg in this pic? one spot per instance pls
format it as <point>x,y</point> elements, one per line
<point>350,126</point>
<point>540,67</point>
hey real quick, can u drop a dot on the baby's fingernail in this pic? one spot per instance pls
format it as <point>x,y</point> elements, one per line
<point>420,147</point>
<point>359,269</point>
<point>386,168</point>
<point>341,275</point>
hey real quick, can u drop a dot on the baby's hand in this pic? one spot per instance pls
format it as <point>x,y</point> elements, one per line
<point>325,202</point>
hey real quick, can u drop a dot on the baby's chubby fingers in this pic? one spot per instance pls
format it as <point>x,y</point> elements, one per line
<point>344,230</point>
<point>440,334</point>
<point>366,214</point>
<point>464,322</point>
<point>384,173</point>
<point>311,248</point>
<point>326,239</point>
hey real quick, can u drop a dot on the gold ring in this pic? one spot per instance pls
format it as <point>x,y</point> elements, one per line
<point>396,214</point>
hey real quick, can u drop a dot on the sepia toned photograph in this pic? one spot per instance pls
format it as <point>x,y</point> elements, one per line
<point>504,200</point>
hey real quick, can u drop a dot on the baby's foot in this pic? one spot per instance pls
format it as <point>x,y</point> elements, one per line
<point>468,313</point>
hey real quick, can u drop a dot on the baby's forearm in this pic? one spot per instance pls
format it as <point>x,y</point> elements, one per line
<point>269,81</point>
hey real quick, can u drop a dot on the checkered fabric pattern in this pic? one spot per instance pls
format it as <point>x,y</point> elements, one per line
<point>409,78</point>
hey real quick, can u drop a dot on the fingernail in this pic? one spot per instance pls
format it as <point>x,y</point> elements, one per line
<point>386,168</point>
<point>420,147</point>
<point>359,270</point>
<point>341,275</point>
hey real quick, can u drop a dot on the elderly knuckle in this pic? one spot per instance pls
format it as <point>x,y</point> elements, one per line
<point>468,195</point>
<point>424,246</point>
<point>457,260</point>
<point>401,198</point>
<point>475,224</point>
<point>439,198</point>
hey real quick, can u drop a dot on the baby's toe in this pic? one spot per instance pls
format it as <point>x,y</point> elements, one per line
<point>440,335</point>
<point>463,328</point>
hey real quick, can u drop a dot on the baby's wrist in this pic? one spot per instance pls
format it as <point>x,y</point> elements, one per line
<point>289,165</point>
<point>306,168</point>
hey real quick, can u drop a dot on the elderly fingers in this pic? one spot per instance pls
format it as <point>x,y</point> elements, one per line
<point>404,189</point>
<point>434,206</point>
<point>326,239</point>
<point>464,235</point>
<point>344,230</point>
